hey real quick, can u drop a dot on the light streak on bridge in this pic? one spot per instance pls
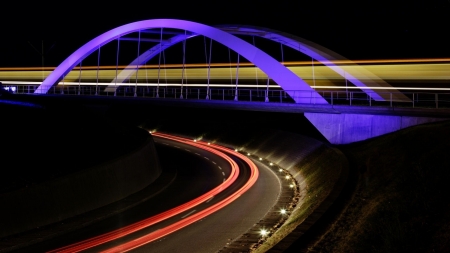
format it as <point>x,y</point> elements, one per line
<point>427,70</point>
<point>289,63</point>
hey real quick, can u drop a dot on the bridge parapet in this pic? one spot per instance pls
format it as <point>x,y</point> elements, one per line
<point>438,99</point>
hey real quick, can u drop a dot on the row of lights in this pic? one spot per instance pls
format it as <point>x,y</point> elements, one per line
<point>265,232</point>
<point>292,185</point>
<point>287,177</point>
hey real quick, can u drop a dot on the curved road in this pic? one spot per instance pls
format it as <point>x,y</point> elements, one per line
<point>214,232</point>
<point>198,172</point>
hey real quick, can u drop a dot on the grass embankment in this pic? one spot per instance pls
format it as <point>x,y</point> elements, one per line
<point>315,188</point>
<point>401,202</point>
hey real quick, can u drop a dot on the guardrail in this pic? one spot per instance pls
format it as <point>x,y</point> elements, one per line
<point>334,97</point>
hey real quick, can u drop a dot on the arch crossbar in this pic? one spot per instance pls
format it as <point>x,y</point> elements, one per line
<point>276,71</point>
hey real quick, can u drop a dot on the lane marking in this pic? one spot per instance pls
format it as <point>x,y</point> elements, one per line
<point>197,153</point>
<point>220,167</point>
<point>209,199</point>
<point>206,158</point>
<point>187,150</point>
<point>176,146</point>
<point>214,162</point>
<point>191,212</point>
<point>223,173</point>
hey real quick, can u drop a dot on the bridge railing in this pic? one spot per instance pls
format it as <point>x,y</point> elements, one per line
<point>420,99</point>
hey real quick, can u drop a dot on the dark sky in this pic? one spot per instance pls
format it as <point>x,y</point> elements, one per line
<point>366,30</point>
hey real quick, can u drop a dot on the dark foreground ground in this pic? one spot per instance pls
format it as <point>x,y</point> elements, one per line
<point>401,201</point>
<point>42,141</point>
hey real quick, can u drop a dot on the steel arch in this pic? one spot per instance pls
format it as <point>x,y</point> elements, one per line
<point>276,71</point>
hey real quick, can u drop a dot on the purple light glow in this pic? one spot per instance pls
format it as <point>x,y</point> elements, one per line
<point>276,71</point>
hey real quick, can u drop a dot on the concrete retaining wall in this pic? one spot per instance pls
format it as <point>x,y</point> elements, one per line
<point>347,128</point>
<point>78,193</point>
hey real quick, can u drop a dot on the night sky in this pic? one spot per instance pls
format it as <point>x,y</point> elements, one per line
<point>367,30</point>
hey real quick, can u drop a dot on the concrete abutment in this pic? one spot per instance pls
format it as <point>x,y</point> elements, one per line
<point>346,128</point>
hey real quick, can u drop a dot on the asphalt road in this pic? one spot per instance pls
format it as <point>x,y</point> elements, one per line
<point>214,232</point>
<point>197,172</point>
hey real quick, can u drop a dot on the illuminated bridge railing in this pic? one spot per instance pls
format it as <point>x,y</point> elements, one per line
<point>420,99</point>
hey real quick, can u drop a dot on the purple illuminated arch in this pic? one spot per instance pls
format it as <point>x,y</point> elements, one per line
<point>313,50</point>
<point>276,71</point>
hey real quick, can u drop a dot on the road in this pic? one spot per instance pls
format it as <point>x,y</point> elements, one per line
<point>217,230</point>
<point>208,235</point>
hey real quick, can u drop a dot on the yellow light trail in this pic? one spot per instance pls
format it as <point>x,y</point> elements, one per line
<point>244,64</point>
<point>430,71</point>
<point>434,71</point>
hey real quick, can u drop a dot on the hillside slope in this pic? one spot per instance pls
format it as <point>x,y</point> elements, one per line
<point>401,202</point>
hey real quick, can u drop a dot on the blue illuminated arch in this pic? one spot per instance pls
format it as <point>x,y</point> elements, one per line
<point>276,71</point>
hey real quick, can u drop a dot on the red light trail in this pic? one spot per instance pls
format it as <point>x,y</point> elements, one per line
<point>119,233</point>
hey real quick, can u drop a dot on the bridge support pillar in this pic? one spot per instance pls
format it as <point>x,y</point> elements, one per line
<point>346,128</point>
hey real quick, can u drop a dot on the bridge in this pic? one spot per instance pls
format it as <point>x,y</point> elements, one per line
<point>355,105</point>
